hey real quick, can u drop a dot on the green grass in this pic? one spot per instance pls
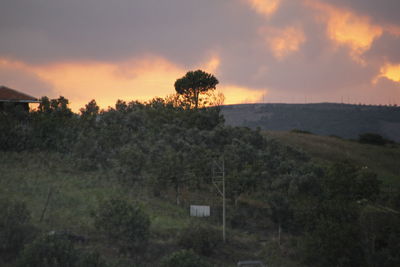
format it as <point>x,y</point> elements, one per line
<point>384,160</point>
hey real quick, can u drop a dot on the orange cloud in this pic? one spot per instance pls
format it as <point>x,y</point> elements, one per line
<point>283,42</point>
<point>264,7</point>
<point>389,71</point>
<point>211,65</point>
<point>240,95</point>
<point>137,79</point>
<point>106,82</point>
<point>347,28</point>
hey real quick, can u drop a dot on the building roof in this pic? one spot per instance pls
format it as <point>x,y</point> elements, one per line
<point>11,95</point>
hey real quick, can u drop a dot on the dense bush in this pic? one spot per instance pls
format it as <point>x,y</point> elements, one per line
<point>126,225</point>
<point>373,139</point>
<point>15,228</point>
<point>184,258</point>
<point>300,131</point>
<point>51,250</point>
<point>202,239</point>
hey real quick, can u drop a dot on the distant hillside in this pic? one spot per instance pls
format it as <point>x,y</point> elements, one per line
<point>344,120</point>
<point>324,149</point>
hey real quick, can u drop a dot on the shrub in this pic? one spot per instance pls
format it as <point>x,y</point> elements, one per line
<point>124,224</point>
<point>49,251</point>
<point>201,239</point>
<point>15,228</point>
<point>300,131</point>
<point>184,258</point>
<point>52,250</point>
<point>373,139</point>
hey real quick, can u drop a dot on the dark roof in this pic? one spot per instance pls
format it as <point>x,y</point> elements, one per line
<point>11,95</point>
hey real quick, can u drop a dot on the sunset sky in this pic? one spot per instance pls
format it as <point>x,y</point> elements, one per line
<point>292,51</point>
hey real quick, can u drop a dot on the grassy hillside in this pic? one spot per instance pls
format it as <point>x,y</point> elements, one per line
<point>344,120</point>
<point>119,183</point>
<point>28,177</point>
<point>384,160</point>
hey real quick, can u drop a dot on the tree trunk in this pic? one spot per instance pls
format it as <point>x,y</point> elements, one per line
<point>196,98</point>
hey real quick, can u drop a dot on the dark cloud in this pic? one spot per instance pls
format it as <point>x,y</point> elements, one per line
<point>181,30</point>
<point>385,48</point>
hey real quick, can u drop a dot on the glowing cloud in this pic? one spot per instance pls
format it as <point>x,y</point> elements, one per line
<point>212,65</point>
<point>391,72</point>
<point>264,7</point>
<point>346,28</point>
<point>240,95</point>
<point>138,79</point>
<point>283,42</point>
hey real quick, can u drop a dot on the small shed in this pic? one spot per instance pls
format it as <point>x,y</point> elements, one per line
<point>199,211</point>
<point>13,98</point>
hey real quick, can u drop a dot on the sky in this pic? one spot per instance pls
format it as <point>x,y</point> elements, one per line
<point>286,51</point>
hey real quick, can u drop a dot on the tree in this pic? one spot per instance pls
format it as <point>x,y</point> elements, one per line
<point>193,85</point>
<point>91,110</point>
<point>124,224</point>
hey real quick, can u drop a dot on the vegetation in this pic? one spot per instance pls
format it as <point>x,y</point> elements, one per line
<point>202,239</point>
<point>373,139</point>
<point>124,224</point>
<point>54,251</point>
<point>193,85</point>
<point>15,229</point>
<point>184,258</point>
<point>119,182</point>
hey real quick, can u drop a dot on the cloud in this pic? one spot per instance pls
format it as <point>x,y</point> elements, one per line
<point>390,72</point>
<point>382,12</point>
<point>182,31</point>
<point>283,42</point>
<point>283,47</point>
<point>347,28</point>
<point>264,7</point>
<point>18,76</point>
<point>240,95</point>
<point>384,49</point>
<point>137,79</point>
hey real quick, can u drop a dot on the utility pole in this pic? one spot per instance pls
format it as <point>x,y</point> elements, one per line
<point>218,176</point>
